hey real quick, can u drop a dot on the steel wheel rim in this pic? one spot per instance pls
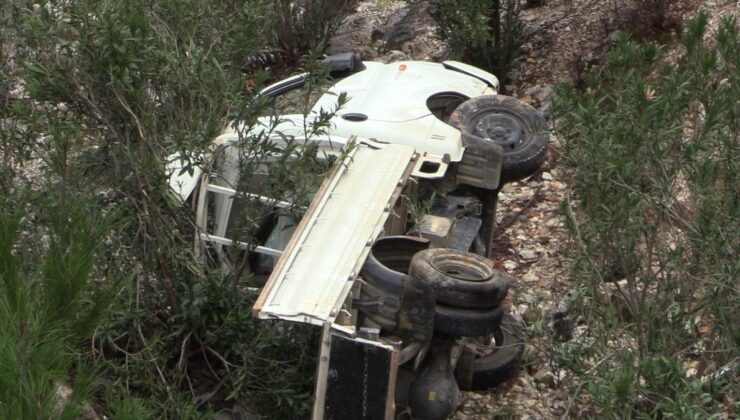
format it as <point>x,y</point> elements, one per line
<point>505,129</point>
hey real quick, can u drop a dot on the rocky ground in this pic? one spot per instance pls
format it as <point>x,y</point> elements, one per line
<point>566,38</point>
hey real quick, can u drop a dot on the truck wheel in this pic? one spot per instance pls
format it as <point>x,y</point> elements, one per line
<point>460,322</point>
<point>489,361</point>
<point>511,123</point>
<point>460,278</point>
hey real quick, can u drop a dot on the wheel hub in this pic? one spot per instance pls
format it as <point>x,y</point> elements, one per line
<point>503,129</point>
<point>462,267</point>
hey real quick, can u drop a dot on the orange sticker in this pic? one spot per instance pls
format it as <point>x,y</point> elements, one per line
<point>402,67</point>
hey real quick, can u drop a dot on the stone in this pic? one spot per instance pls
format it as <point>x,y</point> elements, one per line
<point>530,277</point>
<point>64,393</point>
<point>396,55</point>
<point>510,265</point>
<point>613,37</point>
<point>547,378</point>
<point>528,254</point>
<point>692,369</point>
<point>533,90</point>
<point>354,35</point>
<point>524,312</point>
<point>618,296</point>
<point>553,222</point>
<point>523,381</point>
<point>403,25</point>
<point>530,352</point>
<point>442,53</point>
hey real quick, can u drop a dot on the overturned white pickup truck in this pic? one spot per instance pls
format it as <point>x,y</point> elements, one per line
<point>410,309</point>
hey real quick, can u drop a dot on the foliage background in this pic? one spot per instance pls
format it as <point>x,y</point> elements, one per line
<point>94,95</point>
<point>653,217</point>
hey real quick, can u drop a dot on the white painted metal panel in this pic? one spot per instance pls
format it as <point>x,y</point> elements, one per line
<point>317,270</point>
<point>182,183</point>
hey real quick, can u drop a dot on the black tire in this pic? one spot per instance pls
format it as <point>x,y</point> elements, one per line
<point>389,259</point>
<point>384,272</point>
<point>477,372</point>
<point>511,123</point>
<point>459,322</point>
<point>460,278</point>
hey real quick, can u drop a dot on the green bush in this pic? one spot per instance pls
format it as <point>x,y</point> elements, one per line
<point>485,33</point>
<point>113,88</point>
<point>654,216</point>
<point>306,25</point>
<point>49,303</point>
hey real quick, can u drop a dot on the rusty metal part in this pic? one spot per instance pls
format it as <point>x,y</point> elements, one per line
<point>415,318</point>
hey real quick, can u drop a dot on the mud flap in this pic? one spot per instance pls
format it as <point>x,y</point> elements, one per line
<point>415,318</point>
<point>481,163</point>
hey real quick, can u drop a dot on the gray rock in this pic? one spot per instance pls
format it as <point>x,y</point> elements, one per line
<point>530,277</point>
<point>395,55</point>
<point>533,91</point>
<point>405,24</point>
<point>397,18</point>
<point>510,265</point>
<point>542,96</point>
<point>546,109</point>
<point>442,53</point>
<point>619,297</point>
<point>353,35</point>
<point>613,37</point>
<point>546,378</point>
<point>553,222</point>
<point>528,254</point>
